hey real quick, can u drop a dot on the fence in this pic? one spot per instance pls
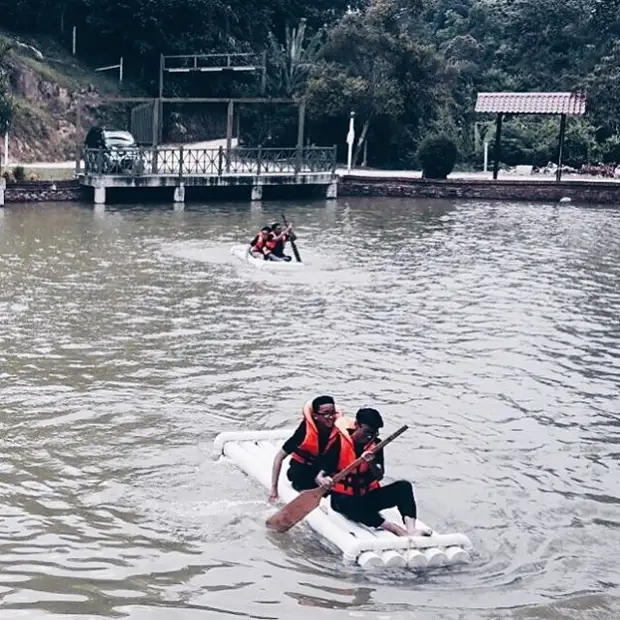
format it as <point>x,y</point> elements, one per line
<point>140,161</point>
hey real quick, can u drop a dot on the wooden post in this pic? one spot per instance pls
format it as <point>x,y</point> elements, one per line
<point>160,116</point>
<point>220,159</point>
<point>558,173</point>
<point>301,111</point>
<point>263,82</point>
<point>497,151</point>
<point>229,131</point>
<point>155,123</point>
<point>78,138</point>
<point>155,136</point>
<point>161,76</point>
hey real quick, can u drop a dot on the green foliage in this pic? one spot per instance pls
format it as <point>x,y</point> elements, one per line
<point>6,101</point>
<point>6,108</point>
<point>19,174</point>
<point>7,175</point>
<point>437,154</point>
<point>290,64</point>
<point>408,68</point>
<point>374,67</point>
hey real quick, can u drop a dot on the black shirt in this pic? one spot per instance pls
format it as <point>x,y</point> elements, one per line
<point>329,461</point>
<point>278,249</point>
<point>293,442</point>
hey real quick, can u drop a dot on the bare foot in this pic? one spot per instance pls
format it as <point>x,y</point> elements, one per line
<point>423,531</point>
<point>395,529</point>
<point>419,530</point>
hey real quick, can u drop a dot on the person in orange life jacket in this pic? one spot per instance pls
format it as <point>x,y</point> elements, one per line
<point>313,436</point>
<point>258,245</point>
<point>277,240</point>
<point>360,497</point>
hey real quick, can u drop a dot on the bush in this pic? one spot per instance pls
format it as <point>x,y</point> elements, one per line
<point>437,154</point>
<point>611,150</point>
<point>19,173</point>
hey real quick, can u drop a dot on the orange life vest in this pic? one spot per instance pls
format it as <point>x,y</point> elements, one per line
<point>360,480</point>
<point>271,242</point>
<point>308,450</point>
<point>261,242</point>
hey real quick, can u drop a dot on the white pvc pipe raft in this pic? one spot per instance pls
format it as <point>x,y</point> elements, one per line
<point>242,253</point>
<point>253,452</point>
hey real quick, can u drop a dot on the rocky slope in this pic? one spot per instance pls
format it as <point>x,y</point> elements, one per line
<point>46,83</point>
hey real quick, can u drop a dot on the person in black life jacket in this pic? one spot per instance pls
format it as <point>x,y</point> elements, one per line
<point>360,497</point>
<point>258,245</point>
<point>277,241</point>
<point>313,436</point>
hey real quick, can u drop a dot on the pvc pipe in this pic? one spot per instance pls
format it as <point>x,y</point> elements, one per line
<point>253,453</point>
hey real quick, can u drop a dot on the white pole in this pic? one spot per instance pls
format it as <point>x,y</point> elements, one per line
<point>74,39</point>
<point>350,140</point>
<point>486,154</point>
<point>120,71</point>
<point>6,149</point>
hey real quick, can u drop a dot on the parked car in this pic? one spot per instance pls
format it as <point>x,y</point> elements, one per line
<point>118,150</point>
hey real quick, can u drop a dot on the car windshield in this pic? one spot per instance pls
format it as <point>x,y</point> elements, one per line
<point>120,140</point>
<point>120,143</point>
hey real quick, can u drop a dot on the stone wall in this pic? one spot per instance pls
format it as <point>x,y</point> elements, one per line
<point>44,191</point>
<point>595,192</point>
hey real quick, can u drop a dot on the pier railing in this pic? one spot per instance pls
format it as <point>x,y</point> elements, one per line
<point>142,161</point>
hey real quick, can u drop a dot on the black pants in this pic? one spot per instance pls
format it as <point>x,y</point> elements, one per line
<point>365,508</point>
<point>302,476</point>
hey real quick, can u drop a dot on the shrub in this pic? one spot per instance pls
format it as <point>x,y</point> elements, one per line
<point>19,173</point>
<point>437,154</point>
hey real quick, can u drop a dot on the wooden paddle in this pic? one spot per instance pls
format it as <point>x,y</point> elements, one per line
<point>307,501</point>
<point>295,250</point>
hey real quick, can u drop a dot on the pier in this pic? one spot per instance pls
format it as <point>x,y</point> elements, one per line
<point>179,168</point>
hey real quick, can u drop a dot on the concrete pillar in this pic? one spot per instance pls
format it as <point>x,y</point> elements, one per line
<point>99,195</point>
<point>332,190</point>
<point>2,190</point>
<point>257,192</point>
<point>179,193</point>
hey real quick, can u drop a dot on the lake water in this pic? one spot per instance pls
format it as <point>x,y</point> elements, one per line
<point>130,337</point>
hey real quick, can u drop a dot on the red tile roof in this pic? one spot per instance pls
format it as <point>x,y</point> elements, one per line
<point>532,103</point>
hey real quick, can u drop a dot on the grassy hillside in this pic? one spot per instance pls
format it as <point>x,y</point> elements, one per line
<point>46,83</point>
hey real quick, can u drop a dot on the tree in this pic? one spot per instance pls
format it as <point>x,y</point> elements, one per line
<point>6,101</point>
<point>373,67</point>
<point>290,64</point>
<point>604,94</point>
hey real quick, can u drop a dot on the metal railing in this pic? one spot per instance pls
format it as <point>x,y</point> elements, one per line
<point>208,62</point>
<point>143,161</point>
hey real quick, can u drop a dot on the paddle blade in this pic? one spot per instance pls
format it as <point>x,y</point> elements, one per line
<point>296,252</point>
<point>295,511</point>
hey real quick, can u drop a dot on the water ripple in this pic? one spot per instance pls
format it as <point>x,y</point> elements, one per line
<point>131,337</point>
